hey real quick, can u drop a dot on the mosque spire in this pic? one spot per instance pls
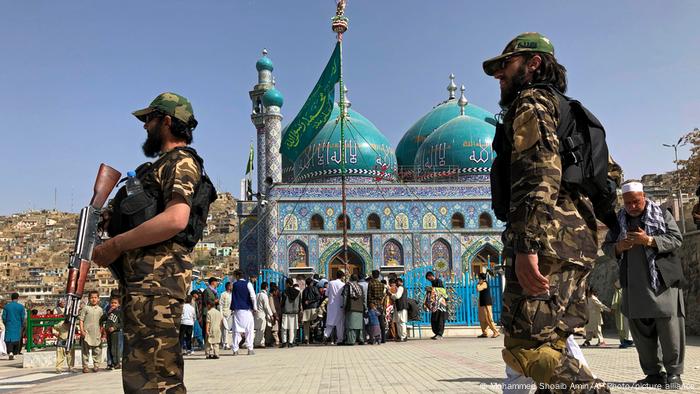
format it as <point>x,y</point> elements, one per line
<point>462,102</point>
<point>452,87</point>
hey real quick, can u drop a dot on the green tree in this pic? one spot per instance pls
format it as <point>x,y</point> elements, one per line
<point>689,169</point>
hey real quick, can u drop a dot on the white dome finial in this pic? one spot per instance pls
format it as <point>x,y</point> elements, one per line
<point>452,88</point>
<point>348,104</point>
<point>462,102</point>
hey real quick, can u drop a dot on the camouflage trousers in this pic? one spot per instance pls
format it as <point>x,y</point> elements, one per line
<point>537,327</point>
<point>153,360</point>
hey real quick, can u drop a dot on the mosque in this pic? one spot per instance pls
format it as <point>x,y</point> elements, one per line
<point>424,204</point>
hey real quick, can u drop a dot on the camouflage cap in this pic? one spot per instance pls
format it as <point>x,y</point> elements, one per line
<point>170,104</point>
<point>525,42</point>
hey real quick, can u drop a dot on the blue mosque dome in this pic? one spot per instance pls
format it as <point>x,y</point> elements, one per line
<point>368,153</point>
<point>462,146</point>
<point>264,63</point>
<point>407,148</point>
<point>273,97</point>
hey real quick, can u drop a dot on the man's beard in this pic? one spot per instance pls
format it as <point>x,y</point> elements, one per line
<point>512,88</point>
<point>151,147</point>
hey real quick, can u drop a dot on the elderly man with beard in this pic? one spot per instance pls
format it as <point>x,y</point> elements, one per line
<point>651,277</point>
<point>156,268</point>
<point>550,238</point>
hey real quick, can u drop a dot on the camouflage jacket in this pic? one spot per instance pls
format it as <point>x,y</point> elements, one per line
<point>544,216</point>
<point>165,268</point>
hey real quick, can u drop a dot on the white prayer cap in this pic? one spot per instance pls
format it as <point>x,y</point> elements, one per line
<point>632,187</point>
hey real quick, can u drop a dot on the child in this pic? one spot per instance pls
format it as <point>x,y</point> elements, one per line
<point>113,327</point>
<point>186,326</point>
<point>91,331</point>
<point>214,322</point>
<point>595,318</point>
<point>375,333</point>
<point>60,330</point>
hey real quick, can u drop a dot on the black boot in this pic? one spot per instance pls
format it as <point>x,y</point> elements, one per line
<point>656,380</point>
<point>673,382</point>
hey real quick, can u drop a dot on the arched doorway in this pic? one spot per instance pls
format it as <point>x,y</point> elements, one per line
<point>484,260</point>
<point>355,264</point>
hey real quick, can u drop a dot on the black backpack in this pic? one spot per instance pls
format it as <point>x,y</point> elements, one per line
<point>129,212</point>
<point>584,156</point>
<point>413,310</point>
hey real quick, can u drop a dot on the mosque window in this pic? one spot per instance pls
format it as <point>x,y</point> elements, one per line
<point>485,220</point>
<point>457,220</point>
<point>316,222</point>
<point>342,219</point>
<point>393,255</point>
<point>298,257</point>
<point>442,256</point>
<point>373,222</point>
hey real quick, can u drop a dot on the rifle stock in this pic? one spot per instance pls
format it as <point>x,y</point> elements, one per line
<point>107,179</point>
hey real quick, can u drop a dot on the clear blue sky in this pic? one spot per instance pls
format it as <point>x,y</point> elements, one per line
<point>72,71</point>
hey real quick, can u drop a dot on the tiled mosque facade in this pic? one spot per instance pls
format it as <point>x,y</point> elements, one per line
<point>425,203</point>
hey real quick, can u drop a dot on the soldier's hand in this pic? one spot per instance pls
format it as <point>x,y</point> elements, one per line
<point>104,219</point>
<point>528,274</point>
<point>105,253</point>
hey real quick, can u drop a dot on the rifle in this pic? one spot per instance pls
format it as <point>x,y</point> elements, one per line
<point>85,241</point>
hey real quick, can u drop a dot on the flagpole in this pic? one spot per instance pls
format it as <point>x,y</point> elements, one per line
<point>340,26</point>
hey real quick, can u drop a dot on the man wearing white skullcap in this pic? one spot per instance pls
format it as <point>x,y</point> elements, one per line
<point>651,277</point>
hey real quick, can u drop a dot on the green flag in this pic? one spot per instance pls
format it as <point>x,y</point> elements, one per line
<point>249,166</point>
<point>315,112</point>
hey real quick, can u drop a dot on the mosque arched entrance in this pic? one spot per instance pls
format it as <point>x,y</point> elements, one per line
<point>355,263</point>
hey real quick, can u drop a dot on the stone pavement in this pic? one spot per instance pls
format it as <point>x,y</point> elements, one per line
<point>456,365</point>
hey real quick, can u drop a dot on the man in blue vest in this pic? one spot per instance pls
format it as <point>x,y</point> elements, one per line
<point>14,316</point>
<point>243,305</point>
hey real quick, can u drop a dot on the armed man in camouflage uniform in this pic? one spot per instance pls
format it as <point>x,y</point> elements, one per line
<point>157,270</point>
<point>551,231</point>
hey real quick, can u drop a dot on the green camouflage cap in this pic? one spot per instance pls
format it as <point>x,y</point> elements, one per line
<point>170,104</point>
<point>525,42</point>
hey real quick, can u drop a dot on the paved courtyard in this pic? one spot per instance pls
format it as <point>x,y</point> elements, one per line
<point>457,365</point>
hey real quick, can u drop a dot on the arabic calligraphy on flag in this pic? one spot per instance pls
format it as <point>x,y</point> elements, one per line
<point>315,112</point>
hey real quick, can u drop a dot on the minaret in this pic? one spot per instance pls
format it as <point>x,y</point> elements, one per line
<point>272,119</point>
<point>264,66</point>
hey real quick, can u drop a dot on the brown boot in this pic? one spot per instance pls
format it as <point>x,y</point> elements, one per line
<point>85,370</point>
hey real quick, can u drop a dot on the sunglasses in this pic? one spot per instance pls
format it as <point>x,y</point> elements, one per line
<point>153,115</point>
<point>506,61</point>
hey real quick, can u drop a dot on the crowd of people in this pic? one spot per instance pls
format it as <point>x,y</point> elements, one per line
<point>348,310</point>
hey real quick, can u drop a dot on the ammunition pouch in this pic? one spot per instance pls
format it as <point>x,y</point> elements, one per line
<point>129,212</point>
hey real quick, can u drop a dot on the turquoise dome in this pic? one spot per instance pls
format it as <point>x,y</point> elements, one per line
<point>461,146</point>
<point>368,152</point>
<point>272,97</point>
<point>264,63</point>
<point>413,138</point>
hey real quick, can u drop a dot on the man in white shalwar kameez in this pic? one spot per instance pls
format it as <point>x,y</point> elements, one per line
<point>225,308</point>
<point>263,316</point>
<point>335,314</point>
<point>243,305</point>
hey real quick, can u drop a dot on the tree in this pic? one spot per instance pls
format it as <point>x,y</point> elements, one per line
<point>689,169</point>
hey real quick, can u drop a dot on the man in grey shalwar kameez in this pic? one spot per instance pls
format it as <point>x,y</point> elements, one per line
<point>651,276</point>
<point>355,305</point>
